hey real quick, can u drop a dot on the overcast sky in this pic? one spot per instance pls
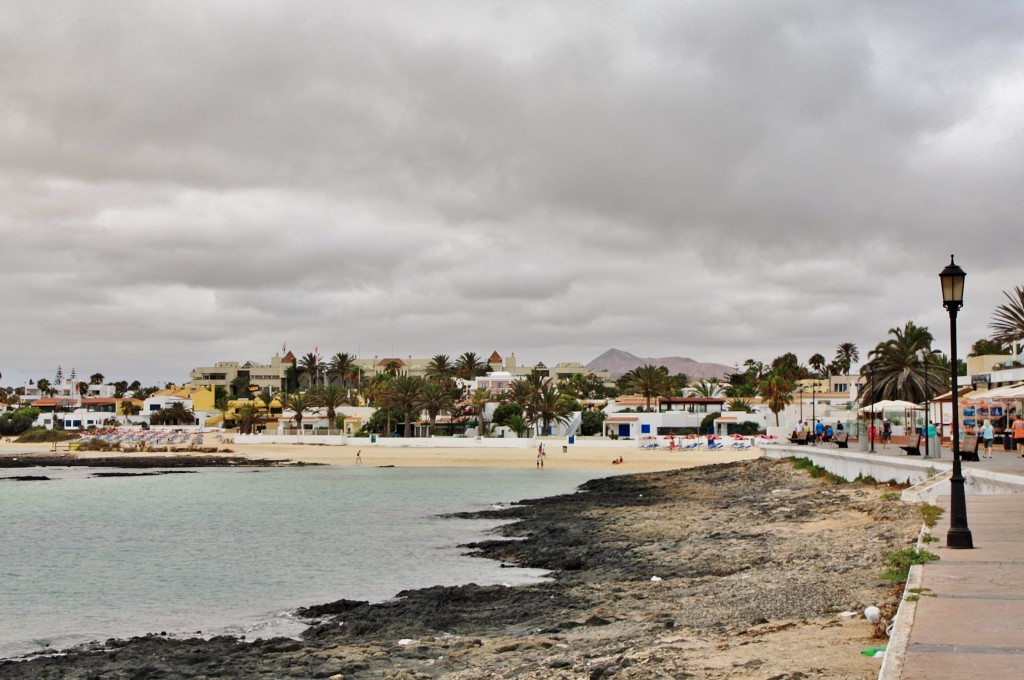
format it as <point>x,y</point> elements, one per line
<point>189,182</point>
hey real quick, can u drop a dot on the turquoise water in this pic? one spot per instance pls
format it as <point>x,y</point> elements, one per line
<point>228,550</point>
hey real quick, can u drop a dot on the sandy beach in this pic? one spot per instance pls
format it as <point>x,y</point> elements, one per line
<point>578,457</point>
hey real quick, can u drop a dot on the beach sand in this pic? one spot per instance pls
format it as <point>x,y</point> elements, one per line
<point>578,456</point>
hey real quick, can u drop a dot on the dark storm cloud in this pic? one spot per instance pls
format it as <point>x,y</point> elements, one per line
<point>186,182</point>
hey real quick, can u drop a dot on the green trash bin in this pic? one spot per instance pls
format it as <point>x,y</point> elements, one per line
<point>373,439</point>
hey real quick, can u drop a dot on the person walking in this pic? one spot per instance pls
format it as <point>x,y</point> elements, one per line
<point>987,434</point>
<point>1018,433</point>
<point>359,457</point>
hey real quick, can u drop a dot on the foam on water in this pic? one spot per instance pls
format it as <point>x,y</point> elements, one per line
<point>234,551</point>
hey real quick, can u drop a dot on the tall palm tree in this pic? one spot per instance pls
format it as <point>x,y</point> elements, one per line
<point>246,417</point>
<point>469,366</point>
<point>481,397</point>
<point>553,407</point>
<point>406,392</point>
<point>440,367</point>
<point>847,355</point>
<point>435,399</point>
<point>309,365</point>
<point>896,369</point>
<point>818,363</point>
<point>329,397</point>
<point>297,402</point>
<point>649,380</point>
<point>778,392</point>
<point>340,367</point>
<point>526,393</point>
<point>1008,319</point>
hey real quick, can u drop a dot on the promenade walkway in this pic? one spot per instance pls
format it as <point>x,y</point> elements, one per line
<point>967,620</point>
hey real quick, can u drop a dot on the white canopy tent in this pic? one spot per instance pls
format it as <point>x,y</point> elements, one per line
<point>890,405</point>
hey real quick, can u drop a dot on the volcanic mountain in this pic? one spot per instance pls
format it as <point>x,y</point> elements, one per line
<point>618,362</point>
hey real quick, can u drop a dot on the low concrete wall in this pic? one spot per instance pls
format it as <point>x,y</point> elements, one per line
<point>910,470</point>
<point>852,464</point>
<point>399,442</point>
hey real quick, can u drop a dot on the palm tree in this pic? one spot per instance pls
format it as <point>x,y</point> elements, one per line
<point>847,355</point>
<point>1008,319</point>
<point>554,407</point>
<point>649,380</point>
<point>440,367</point>
<point>709,389</point>
<point>175,414</point>
<point>240,386</point>
<point>406,393</point>
<point>246,417</point>
<point>778,392</point>
<point>985,346</point>
<point>481,397</point>
<point>818,363</point>
<point>329,397</point>
<point>896,369</point>
<point>741,404</point>
<point>297,402</point>
<point>393,367</point>
<point>309,365</point>
<point>469,366</point>
<point>340,367</point>
<point>435,398</point>
<point>526,393</point>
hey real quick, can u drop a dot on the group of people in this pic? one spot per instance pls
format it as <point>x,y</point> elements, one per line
<point>988,434</point>
<point>819,431</point>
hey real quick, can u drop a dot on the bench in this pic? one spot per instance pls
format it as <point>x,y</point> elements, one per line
<point>969,447</point>
<point>801,438</point>
<point>842,440</point>
<point>913,449</point>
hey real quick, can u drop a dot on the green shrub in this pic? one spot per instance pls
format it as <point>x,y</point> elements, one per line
<point>897,564</point>
<point>930,514</point>
<point>38,435</point>
<point>815,471</point>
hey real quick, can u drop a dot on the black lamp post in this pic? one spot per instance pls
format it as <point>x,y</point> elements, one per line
<point>800,391</point>
<point>927,401</point>
<point>871,396</point>
<point>959,534</point>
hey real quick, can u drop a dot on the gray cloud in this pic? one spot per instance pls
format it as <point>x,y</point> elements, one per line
<point>183,183</point>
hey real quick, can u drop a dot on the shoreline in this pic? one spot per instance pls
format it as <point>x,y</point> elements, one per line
<point>577,457</point>
<point>753,561</point>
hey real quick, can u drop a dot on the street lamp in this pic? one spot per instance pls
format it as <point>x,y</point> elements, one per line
<point>814,421</point>
<point>871,396</point>
<point>927,401</point>
<point>959,535</point>
<point>800,391</point>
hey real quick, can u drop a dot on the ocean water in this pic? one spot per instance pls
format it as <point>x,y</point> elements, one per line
<point>235,550</point>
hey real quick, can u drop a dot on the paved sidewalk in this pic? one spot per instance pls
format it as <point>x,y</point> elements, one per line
<point>969,620</point>
<point>1002,461</point>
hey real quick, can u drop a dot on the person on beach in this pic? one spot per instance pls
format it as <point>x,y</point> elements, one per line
<point>819,431</point>
<point>987,435</point>
<point>886,433</point>
<point>359,457</point>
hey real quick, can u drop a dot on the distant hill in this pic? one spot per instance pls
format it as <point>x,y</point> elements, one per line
<point>617,363</point>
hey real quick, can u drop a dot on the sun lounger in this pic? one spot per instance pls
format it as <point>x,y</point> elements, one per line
<point>842,440</point>
<point>801,438</point>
